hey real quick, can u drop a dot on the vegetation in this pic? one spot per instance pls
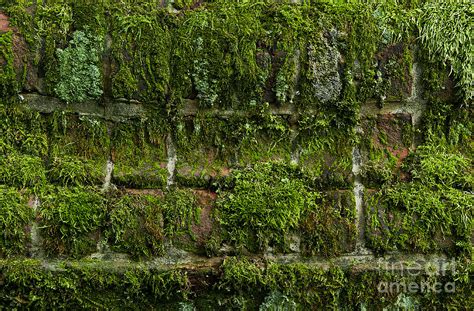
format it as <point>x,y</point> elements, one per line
<point>136,226</point>
<point>15,217</point>
<point>70,220</point>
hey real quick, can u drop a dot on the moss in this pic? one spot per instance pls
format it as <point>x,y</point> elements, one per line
<point>326,157</point>
<point>401,216</point>
<point>23,131</point>
<point>139,153</point>
<point>229,142</point>
<point>328,226</point>
<point>136,225</point>
<point>92,284</point>
<point>8,83</point>
<point>70,220</point>
<point>15,217</point>
<point>80,148</point>
<point>141,47</point>
<point>27,284</point>
<point>22,171</point>
<point>180,211</point>
<point>264,204</point>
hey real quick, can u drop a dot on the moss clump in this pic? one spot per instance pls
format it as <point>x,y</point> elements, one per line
<point>72,171</point>
<point>264,204</point>
<point>327,156</point>
<point>136,225</point>
<point>139,153</point>
<point>80,148</point>
<point>8,83</point>
<point>79,74</point>
<point>308,286</point>
<point>226,142</point>
<point>432,212</point>
<point>22,171</point>
<point>15,217</point>
<point>328,226</point>
<point>70,220</point>
<point>27,284</point>
<point>180,211</point>
<point>22,130</point>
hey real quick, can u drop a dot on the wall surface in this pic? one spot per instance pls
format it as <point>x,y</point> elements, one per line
<point>209,155</point>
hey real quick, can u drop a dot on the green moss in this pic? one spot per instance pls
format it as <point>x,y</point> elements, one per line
<point>80,148</point>
<point>22,130</point>
<point>402,216</point>
<point>70,220</point>
<point>8,83</point>
<point>88,285</point>
<point>328,226</point>
<point>139,153</point>
<point>136,225</point>
<point>15,217</point>
<point>264,204</point>
<point>180,211</point>
<point>22,171</point>
<point>327,156</point>
<point>141,47</point>
<point>229,142</point>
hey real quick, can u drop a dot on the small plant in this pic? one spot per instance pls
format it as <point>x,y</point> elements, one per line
<point>79,74</point>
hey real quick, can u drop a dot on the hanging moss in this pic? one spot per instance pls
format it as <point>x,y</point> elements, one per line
<point>229,142</point>
<point>139,153</point>
<point>70,220</point>
<point>15,216</point>
<point>80,148</point>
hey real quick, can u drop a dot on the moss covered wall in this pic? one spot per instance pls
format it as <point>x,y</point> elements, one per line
<point>235,154</point>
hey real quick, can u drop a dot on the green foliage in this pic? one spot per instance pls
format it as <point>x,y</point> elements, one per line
<point>27,284</point>
<point>70,220</point>
<point>72,171</point>
<point>434,207</point>
<point>79,74</point>
<point>22,130</point>
<point>8,83</point>
<point>15,217</point>
<point>445,32</point>
<point>180,211</point>
<point>22,171</point>
<point>265,203</point>
<point>139,153</point>
<point>136,225</point>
